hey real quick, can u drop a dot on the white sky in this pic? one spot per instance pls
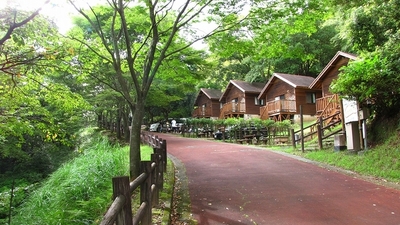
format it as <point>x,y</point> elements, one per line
<point>60,11</point>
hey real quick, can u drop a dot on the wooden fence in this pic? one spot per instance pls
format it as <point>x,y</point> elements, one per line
<point>150,182</point>
<point>317,129</point>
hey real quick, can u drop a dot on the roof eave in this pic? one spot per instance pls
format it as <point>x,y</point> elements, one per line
<point>329,65</point>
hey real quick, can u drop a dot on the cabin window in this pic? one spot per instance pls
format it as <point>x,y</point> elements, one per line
<point>258,101</point>
<point>280,97</point>
<point>310,97</point>
<point>221,105</point>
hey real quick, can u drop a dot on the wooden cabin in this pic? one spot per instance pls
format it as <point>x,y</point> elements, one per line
<point>241,100</point>
<point>328,106</point>
<point>207,104</point>
<point>284,93</point>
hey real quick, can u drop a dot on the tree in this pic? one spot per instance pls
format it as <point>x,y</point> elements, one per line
<point>38,116</point>
<point>138,41</point>
<point>282,36</point>
<point>11,22</point>
<point>374,77</point>
<point>308,54</point>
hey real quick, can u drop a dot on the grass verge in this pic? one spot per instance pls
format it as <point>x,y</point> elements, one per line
<point>80,191</point>
<point>380,163</point>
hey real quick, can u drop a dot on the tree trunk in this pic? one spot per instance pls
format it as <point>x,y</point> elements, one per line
<point>134,153</point>
<point>110,121</point>
<point>125,123</point>
<point>118,122</point>
<point>99,119</point>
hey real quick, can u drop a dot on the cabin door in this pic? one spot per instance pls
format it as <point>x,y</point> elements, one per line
<point>203,109</point>
<point>235,105</point>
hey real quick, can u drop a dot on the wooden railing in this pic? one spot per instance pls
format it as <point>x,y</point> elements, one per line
<point>278,106</point>
<point>202,112</point>
<point>318,129</point>
<point>327,105</point>
<point>150,182</point>
<point>232,107</point>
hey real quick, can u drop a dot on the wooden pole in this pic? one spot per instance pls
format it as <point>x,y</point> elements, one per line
<point>160,168</point>
<point>293,138</point>
<point>145,193</point>
<point>155,176</point>
<point>121,187</point>
<point>164,154</point>
<point>319,132</point>
<point>301,128</point>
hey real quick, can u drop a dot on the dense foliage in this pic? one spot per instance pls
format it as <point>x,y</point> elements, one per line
<point>374,78</point>
<point>38,117</point>
<point>124,65</point>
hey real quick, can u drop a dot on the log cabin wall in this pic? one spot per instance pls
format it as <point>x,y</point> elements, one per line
<point>234,93</point>
<point>215,108</point>
<point>332,75</point>
<point>251,107</point>
<point>203,99</point>
<point>309,108</point>
<point>279,88</point>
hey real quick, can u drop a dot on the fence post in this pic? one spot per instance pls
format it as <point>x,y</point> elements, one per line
<point>293,138</point>
<point>159,142</point>
<point>160,168</point>
<point>319,132</point>
<point>121,187</point>
<point>155,175</point>
<point>145,193</point>
<point>302,128</point>
<point>321,124</point>
<point>164,154</point>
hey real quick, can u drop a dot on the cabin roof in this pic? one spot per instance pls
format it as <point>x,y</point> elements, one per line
<point>339,55</point>
<point>296,81</point>
<point>212,94</point>
<point>245,87</point>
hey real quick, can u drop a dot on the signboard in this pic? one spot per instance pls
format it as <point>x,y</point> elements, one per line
<point>350,112</point>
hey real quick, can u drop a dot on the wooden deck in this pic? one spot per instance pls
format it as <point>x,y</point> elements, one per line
<point>278,109</point>
<point>201,113</point>
<point>232,109</point>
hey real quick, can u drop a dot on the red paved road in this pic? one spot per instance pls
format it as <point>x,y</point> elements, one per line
<point>238,184</point>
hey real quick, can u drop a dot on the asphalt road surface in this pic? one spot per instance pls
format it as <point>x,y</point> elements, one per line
<point>240,184</point>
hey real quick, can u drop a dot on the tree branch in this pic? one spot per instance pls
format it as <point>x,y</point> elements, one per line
<point>16,25</point>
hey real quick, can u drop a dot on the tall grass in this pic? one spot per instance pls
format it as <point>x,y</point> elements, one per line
<point>80,191</point>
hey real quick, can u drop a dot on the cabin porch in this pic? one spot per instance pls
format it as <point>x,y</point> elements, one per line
<point>232,109</point>
<point>201,112</point>
<point>278,110</point>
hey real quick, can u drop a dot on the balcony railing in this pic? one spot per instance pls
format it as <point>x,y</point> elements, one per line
<point>202,112</point>
<point>232,108</point>
<point>277,107</point>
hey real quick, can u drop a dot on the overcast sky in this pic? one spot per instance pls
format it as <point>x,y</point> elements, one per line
<point>58,10</point>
